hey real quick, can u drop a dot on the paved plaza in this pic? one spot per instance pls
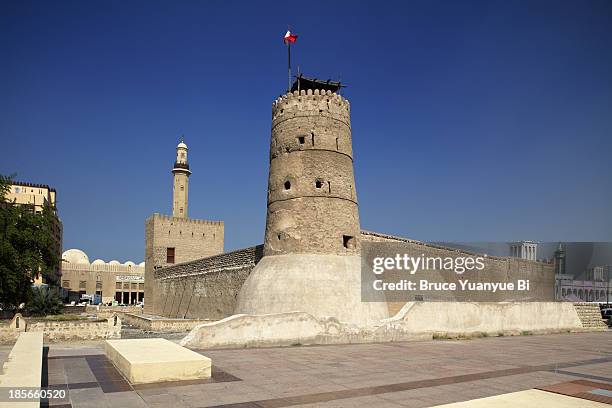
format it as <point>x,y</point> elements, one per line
<point>413,374</point>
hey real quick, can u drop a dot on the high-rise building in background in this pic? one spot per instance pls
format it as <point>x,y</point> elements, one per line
<point>524,250</point>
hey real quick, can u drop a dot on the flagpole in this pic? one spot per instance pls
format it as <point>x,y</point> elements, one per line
<point>289,66</point>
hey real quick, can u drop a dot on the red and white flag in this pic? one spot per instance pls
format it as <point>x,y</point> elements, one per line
<point>290,38</point>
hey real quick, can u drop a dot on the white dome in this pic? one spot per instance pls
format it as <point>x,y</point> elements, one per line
<point>181,145</point>
<point>98,262</point>
<point>75,256</point>
<point>141,264</point>
<point>130,263</point>
<point>114,262</point>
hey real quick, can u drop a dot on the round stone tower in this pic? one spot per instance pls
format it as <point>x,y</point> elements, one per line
<point>312,243</point>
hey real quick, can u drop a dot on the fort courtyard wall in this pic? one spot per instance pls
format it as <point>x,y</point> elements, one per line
<point>174,240</point>
<point>208,288</point>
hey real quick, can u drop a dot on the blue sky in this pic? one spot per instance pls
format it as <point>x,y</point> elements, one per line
<point>472,121</point>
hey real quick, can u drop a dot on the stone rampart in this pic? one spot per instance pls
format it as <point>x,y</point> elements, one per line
<point>206,288</point>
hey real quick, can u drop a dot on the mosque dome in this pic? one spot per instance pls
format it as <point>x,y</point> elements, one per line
<point>181,145</point>
<point>98,262</point>
<point>129,263</point>
<point>75,256</point>
<point>114,262</point>
<point>141,264</point>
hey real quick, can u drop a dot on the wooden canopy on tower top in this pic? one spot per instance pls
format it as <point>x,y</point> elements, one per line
<point>303,83</point>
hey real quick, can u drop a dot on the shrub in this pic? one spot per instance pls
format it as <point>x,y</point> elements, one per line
<point>44,302</point>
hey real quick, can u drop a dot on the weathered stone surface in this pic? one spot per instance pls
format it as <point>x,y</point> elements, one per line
<point>415,321</point>
<point>312,202</point>
<point>156,360</point>
<point>289,329</point>
<point>321,285</point>
<point>206,288</point>
<point>107,328</point>
<point>191,239</point>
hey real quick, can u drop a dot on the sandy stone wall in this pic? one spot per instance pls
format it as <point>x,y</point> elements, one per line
<point>206,288</point>
<point>497,269</point>
<point>62,330</point>
<point>312,203</point>
<point>191,239</point>
<point>162,325</point>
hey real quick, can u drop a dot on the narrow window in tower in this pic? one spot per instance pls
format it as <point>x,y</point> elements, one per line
<point>318,184</point>
<point>170,255</point>
<point>348,241</point>
<point>312,136</point>
<point>182,188</point>
<point>181,210</point>
<point>287,185</point>
<point>337,146</point>
<point>278,236</point>
<point>329,186</point>
<point>301,140</point>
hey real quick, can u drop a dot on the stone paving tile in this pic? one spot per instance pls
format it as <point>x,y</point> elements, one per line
<point>163,400</point>
<point>128,399</point>
<point>601,369</point>
<point>360,402</point>
<point>89,398</point>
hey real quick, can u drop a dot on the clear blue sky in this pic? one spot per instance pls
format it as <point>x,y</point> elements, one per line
<point>472,121</point>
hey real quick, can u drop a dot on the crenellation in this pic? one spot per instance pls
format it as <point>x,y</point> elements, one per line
<point>317,102</point>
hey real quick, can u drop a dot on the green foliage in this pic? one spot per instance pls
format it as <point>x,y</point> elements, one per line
<point>26,249</point>
<point>44,302</point>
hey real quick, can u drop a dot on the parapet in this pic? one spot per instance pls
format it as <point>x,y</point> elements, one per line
<point>322,103</point>
<point>182,220</point>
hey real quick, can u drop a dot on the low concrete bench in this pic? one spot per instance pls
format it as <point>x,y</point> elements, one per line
<point>23,367</point>
<point>156,360</point>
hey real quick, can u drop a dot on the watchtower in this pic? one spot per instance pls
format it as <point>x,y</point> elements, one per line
<point>312,240</point>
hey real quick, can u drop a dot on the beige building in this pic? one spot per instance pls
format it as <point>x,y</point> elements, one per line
<point>122,282</point>
<point>176,239</point>
<point>39,196</point>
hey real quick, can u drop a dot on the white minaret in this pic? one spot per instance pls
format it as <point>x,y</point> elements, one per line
<point>181,181</point>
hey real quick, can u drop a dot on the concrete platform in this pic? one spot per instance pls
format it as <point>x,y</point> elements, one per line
<point>156,360</point>
<point>23,368</point>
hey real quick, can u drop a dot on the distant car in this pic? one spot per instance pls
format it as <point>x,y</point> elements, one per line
<point>606,313</point>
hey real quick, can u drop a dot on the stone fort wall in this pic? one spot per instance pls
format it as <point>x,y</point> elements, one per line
<point>207,288</point>
<point>191,239</point>
<point>497,269</point>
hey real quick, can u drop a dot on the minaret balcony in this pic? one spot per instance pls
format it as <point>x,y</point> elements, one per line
<point>181,167</point>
